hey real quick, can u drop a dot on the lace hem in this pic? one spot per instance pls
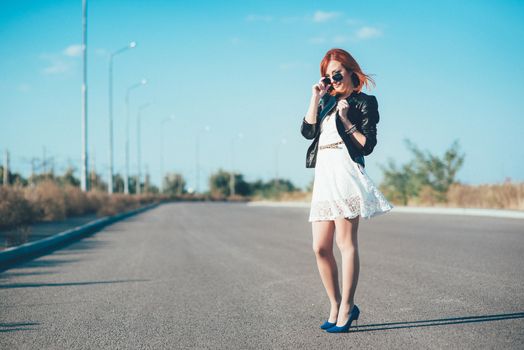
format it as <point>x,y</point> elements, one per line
<point>348,208</point>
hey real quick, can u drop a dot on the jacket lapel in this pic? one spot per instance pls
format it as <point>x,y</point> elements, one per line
<point>328,106</point>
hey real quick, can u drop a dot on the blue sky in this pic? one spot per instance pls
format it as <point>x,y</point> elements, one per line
<point>445,70</point>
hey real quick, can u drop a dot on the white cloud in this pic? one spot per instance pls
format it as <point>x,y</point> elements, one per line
<point>73,51</point>
<point>56,64</point>
<point>368,33</point>
<point>259,18</point>
<point>353,21</point>
<point>235,40</point>
<point>57,67</point>
<point>290,19</point>
<point>322,16</point>
<point>293,65</point>
<point>23,87</point>
<point>339,39</point>
<point>101,52</point>
<point>317,40</point>
<point>63,62</point>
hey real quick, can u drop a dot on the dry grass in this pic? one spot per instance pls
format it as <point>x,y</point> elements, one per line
<point>296,196</point>
<point>15,209</point>
<point>117,203</point>
<point>499,196</point>
<point>48,201</point>
<point>76,201</point>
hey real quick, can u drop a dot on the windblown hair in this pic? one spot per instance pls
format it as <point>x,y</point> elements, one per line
<point>350,64</point>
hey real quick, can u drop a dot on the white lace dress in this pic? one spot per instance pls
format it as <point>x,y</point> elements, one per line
<point>342,187</point>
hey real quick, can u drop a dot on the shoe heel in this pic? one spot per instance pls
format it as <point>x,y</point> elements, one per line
<point>357,315</point>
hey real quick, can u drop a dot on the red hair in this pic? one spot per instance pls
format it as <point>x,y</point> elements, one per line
<point>349,63</point>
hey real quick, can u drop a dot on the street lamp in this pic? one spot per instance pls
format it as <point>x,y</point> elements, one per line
<point>129,89</point>
<point>131,45</point>
<point>232,176</point>
<point>283,141</point>
<point>168,119</point>
<point>138,146</point>
<point>206,128</point>
<point>83,177</point>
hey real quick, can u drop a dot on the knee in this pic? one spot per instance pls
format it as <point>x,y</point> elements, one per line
<point>322,251</point>
<point>347,245</point>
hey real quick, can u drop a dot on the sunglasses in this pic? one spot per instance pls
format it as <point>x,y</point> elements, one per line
<point>337,77</point>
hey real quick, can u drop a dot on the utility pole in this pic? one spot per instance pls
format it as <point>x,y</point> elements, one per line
<point>92,176</point>
<point>6,168</point>
<point>232,173</point>
<point>132,44</point>
<point>129,89</point>
<point>44,163</point>
<point>206,128</point>
<point>139,146</point>
<point>146,181</point>
<point>33,161</point>
<point>84,97</point>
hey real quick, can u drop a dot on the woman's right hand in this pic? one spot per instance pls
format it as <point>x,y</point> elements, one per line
<point>319,89</point>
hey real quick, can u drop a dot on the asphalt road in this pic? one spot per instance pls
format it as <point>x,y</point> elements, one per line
<point>230,276</point>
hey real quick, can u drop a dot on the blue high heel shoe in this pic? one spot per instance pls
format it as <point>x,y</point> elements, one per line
<point>353,315</point>
<point>327,325</point>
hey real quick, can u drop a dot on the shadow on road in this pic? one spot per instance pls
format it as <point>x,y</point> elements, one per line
<point>435,322</point>
<point>18,326</point>
<point>63,249</point>
<point>33,285</point>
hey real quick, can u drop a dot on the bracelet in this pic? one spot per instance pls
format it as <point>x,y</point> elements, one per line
<point>351,130</point>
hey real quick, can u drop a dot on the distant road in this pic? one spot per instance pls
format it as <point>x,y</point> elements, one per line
<point>231,276</point>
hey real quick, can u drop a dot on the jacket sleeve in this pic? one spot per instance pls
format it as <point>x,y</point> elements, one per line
<point>310,131</point>
<point>370,118</point>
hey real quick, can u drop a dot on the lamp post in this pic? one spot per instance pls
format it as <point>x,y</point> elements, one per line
<point>168,119</point>
<point>84,96</point>
<point>138,145</point>
<point>131,45</point>
<point>206,128</point>
<point>232,176</point>
<point>283,141</point>
<point>129,89</point>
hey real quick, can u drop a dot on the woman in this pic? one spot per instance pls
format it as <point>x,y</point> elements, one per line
<point>341,120</point>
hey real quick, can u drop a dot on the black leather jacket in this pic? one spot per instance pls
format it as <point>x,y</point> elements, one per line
<point>363,112</point>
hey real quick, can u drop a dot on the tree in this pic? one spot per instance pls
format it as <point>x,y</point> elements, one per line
<point>272,188</point>
<point>220,184</point>
<point>13,178</point>
<point>96,182</point>
<point>399,185</point>
<point>438,173</point>
<point>426,172</point>
<point>118,183</point>
<point>242,187</point>
<point>174,184</point>
<point>69,178</point>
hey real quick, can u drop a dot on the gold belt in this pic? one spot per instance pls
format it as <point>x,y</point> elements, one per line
<point>331,145</point>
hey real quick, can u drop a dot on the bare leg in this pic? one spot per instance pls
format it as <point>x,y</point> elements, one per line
<point>346,238</point>
<point>323,232</point>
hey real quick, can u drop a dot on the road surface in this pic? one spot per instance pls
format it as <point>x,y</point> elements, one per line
<point>231,276</point>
